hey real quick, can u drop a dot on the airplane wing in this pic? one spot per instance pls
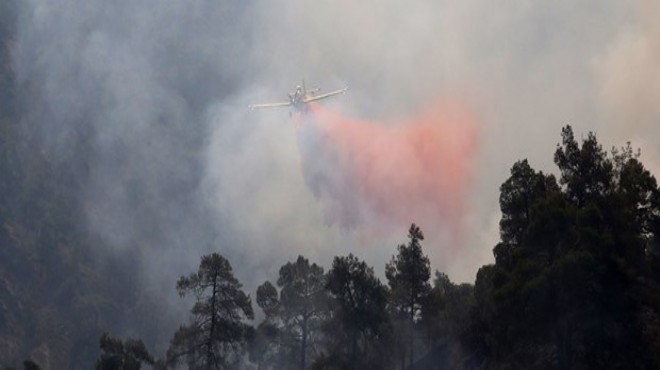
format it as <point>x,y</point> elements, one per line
<point>326,95</point>
<point>269,105</point>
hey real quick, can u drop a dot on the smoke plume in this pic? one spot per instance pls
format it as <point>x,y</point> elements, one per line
<point>380,176</point>
<point>151,97</point>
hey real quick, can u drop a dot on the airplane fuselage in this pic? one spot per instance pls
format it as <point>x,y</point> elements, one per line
<point>300,98</point>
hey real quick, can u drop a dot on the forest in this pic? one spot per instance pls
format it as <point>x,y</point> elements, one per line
<point>575,282</point>
<point>574,285</point>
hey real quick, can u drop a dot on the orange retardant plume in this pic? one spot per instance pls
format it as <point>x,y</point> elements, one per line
<point>384,175</point>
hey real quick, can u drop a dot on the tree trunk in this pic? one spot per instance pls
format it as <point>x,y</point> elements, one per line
<point>411,325</point>
<point>303,347</point>
<point>354,350</point>
<point>210,358</point>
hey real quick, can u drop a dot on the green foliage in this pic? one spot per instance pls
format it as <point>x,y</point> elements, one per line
<point>265,347</point>
<point>586,171</point>
<point>296,315</point>
<point>570,284</point>
<point>408,276</point>
<point>517,197</point>
<point>216,334</point>
<point>446,310</point>
<point>303,302</point>
<point>268,300</point>
<point>358,329</point>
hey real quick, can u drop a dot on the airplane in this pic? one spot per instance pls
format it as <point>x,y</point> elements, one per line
<point>300,98</point>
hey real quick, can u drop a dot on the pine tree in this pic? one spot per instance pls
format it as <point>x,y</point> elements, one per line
<point>408,275</point>
<point>216,335</point>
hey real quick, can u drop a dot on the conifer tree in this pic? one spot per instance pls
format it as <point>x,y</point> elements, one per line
<point>216,334</point>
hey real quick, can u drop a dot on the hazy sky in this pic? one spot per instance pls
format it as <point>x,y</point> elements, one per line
<point>181,167</point>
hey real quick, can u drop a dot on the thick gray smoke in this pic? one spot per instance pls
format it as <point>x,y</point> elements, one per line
<point>124,87</point>
<point>154,95</point>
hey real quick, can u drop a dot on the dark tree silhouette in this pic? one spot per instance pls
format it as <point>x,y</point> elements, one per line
<point>298,312</point>
<point>30,365</point>
<point>358,326</point>
<point>517,196</point>
<point>265,348</point>
<point>408,276</point>
<point>217,333</point>
<point>122,355</point>
<point>586,172</point>
<point>446,310</point>
<point>571,283</point>
<point>303,303</point>
<point>268,300</point>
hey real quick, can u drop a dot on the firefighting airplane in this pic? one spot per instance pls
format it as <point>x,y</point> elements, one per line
<point>300,98</point>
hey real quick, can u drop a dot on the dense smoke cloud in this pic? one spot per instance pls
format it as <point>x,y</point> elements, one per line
<point>380,177</point>
<point>118,92</point>
<point>153,97</point>
<point>630,88</point>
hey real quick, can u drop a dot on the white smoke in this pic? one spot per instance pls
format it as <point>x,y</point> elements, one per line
<point>178,166</point>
